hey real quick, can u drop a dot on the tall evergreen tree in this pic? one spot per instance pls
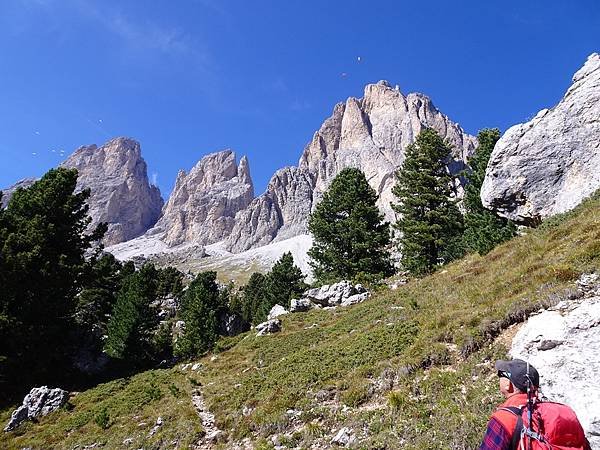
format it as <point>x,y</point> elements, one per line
<point>284,281</point>
<point>134,321</point>
<point>201,306</point>
<point>253,296</point>
<point>429,221</point>
<point>350,236</point>
<point>43,240</point>
<point>483,229</point>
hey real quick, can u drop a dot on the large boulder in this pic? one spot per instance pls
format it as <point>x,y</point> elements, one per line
<point>550,164</point>
<point>563,344</point>
<point>39,402</point>
<point>342,293</point>
<point>277,311</point>
<point>268,327</point>
<point>301,305</point>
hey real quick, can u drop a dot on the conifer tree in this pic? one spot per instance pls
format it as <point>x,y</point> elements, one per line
<point>284,281</point>
<point>200,308</point>
<point>277,287</point>
<point>43,240</point>
<point>134,321</point>
<point>483,229</point>
<point>350,236</point>
<point>253,296</point>
<point>429,221</point>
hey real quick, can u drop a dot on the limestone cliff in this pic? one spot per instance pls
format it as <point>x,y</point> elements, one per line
<point>549,164</point>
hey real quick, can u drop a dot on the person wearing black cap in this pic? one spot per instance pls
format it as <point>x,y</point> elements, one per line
<point>504,428</point>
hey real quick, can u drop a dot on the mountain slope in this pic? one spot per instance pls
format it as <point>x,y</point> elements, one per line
<point>410,368</point>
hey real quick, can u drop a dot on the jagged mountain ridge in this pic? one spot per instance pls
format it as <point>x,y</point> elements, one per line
<point>203,205</point>
<point>370,133</point>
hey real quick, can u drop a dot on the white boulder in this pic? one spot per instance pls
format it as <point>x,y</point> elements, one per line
<point>277,311</point>
<point>39,402</point>
<point>563,344</point>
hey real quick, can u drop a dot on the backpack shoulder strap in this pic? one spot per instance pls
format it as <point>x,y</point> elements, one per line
<point>516,435</point>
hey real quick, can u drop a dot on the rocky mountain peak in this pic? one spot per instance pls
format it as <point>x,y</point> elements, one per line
<point>369,133</point>
<point>121,195</point>
<point>204,202</point>
<point>548,165</point>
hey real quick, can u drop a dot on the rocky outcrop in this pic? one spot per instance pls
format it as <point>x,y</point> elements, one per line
<point>120,192</point>
<point>549,164</point>
<point>563,344</point>
<point>8,192</point>
<point>39,402</point>
<point>204,202</point>
<point>369,133</point>
<point>343,293</point>
<point>268,327</point>
<point>277,311</point>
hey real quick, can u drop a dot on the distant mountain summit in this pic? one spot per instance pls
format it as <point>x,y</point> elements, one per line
<point>371,134</point>
<point>121,195</point>
<point>214,203</point>
<point>203,205</point>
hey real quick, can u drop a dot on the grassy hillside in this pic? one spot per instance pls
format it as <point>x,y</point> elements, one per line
<point>410,368</point>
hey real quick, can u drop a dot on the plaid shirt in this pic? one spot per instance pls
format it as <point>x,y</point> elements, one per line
<point>496,437</point>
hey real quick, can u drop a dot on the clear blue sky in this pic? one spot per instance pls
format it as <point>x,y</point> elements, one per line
<point>190,77</point>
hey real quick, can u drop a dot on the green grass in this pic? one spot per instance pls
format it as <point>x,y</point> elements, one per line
<point>410,368</point>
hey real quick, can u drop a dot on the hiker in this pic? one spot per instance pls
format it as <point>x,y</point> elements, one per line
<point>509,429</point>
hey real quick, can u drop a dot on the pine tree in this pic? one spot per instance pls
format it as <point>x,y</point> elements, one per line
<point>134,321</point>
<point>284,281</point>
<point>350,237</point>
<point>483,229</point>
<point>43,240</point>
<point>201,306</point>
<point>253,296</point>
<point>429,221</point>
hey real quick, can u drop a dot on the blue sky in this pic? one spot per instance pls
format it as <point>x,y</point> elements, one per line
<point>190,77</point>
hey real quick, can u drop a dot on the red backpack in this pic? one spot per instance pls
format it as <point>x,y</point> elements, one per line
<point>555,427</point>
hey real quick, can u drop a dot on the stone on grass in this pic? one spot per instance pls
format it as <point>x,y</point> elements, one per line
<point>268,327</point>
<point>301,305</point>
<point>345,437</point>
<point>39,402</point>
<point>276,311</point>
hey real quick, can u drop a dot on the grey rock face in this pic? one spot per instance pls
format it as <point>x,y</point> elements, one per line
<point>342,293</point>
<point>301,305</point>
<point>369,133</point>
<point>549,164</point>
<point>276,311</point>
<point>39,402</point>
<point>345,437</point>
<point>563,344</point>
<point>268,327</point>
<point>7,193</point>
<point>121,195</point>
<point>204,202</point>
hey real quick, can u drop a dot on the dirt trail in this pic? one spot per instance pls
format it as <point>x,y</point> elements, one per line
<point>212,433</point>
